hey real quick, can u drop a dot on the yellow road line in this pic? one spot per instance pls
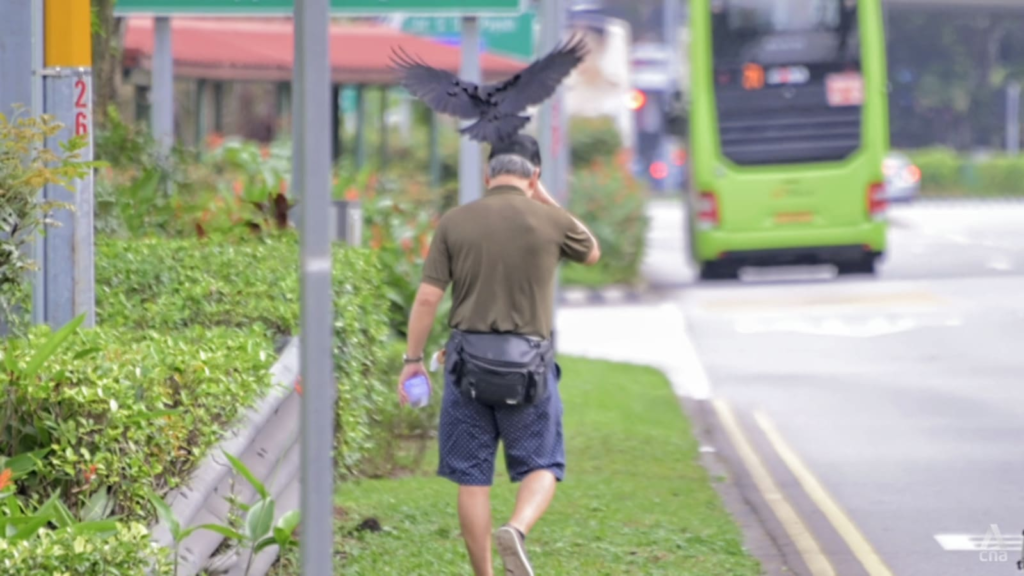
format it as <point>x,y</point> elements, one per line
<point>784,511</point>
<point>860,546</point>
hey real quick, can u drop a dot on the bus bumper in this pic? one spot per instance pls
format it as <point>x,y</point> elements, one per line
<point>791,247</point>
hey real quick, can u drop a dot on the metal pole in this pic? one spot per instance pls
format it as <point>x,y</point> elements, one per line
<point>671,17</point>
<point>162,90</point>
<point>383,128</point>
<point>1013,118</point>
<point>39,242</point>
<point>336,122</point>
<point>550,116</point>
<point>435,153</point>
<point>549,34</point>
<point>18,86</point>
<point>470,154</point>
<point>201,112</point>
<point>360,128</point>
<point>67,95</point>
<point>312,176</point>
<point>218,107</point>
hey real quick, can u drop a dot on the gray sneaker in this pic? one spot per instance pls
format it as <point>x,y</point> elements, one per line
<point>512,548</point>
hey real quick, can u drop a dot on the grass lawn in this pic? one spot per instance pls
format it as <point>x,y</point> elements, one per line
<point>634,501</point>
<point>597,276</point>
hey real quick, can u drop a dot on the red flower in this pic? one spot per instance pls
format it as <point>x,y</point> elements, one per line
<point>5,478</point>
<point>90,473</point>
<point>298,385</point>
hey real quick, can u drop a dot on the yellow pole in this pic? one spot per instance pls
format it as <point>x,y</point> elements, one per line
<point>68,34</point>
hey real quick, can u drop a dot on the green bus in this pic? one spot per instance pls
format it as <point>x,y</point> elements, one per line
<point>788,130</point>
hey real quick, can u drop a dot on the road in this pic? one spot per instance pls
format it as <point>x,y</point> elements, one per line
<point>874,424</point>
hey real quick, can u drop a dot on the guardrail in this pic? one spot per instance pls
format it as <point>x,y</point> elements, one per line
<point>266,441</point>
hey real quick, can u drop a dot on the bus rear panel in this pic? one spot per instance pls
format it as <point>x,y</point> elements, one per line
<point>788,132</point>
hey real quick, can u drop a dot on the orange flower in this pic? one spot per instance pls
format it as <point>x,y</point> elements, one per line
<point>214,140</point>
<point>407,244</point>
<point>239,187</point>
<point>265,151</point>
<point>378,237</point>
<point>351,194</point>
<point>5,478</point>
<point>283,187</point>
<point>90,473</point>
<point>424,245</point>
<point>298,385</point>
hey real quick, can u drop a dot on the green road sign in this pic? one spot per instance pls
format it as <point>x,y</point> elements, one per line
<point>507,35</point>
<point>286,7</point>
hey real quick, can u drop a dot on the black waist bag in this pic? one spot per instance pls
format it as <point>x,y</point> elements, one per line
<point>499,369</point>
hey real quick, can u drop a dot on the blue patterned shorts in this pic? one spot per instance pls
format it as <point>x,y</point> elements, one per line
<point>469,433</point>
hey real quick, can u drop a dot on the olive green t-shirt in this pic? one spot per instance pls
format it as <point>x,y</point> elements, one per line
<point>500,254</point>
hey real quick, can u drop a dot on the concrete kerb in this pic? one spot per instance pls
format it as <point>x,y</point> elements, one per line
<point>264,439</point>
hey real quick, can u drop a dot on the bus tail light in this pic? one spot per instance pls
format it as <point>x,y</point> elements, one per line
<point>707,210</point>
<point>876,200</point>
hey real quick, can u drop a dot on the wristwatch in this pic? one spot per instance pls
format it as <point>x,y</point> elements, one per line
<point>408,360</point>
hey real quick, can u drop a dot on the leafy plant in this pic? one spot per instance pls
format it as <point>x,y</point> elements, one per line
<point>124,410</point>
<point>259,531</point>
<point>594,140</point>
<point>26,165</point>
<point>613,204</point>
<point>172,285</point>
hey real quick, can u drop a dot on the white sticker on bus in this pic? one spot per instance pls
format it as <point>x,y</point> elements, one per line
<point>844,89</point>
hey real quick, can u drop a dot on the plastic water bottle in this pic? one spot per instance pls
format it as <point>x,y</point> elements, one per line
<point>417,389</point>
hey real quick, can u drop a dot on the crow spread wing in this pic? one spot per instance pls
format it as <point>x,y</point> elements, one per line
<point>493,130</point>
<point>538,81</point>
<point>442,91</point>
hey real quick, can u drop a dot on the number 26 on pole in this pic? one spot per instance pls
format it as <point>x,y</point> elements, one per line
<point>82,105</point>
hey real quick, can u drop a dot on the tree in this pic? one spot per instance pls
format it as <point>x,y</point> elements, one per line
<point>107,42</point>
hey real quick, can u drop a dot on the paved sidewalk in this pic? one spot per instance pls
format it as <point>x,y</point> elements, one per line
<point>648,334</point>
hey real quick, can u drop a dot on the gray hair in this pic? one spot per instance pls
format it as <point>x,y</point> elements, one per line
<point>511,165</point>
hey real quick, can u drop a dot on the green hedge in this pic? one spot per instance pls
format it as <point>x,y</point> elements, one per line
<point>944,172</point>
<point>183,346</point>
<point>129,552</point>
<point>124,411</point>
<point>613,204</point>
<point>166,285</point>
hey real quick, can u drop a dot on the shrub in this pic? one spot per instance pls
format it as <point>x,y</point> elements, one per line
<point>399,227</point>
<point>612,204</point>
<point>128,552</point>
<point>123,411</point>
<point>594,140</point>
<point>944,172</point>
<point>166,285</point>
<point>26,165</point>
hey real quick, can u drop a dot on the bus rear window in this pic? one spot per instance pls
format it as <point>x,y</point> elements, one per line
<point>775,31</point>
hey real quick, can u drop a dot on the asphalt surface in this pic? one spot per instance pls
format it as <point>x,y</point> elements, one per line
<point>897,401</point>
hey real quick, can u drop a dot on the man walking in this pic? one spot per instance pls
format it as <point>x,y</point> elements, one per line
<point>500,254</point>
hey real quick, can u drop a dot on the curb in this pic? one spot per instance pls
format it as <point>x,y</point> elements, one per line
<point>616,294</point>
<point>266,441</point>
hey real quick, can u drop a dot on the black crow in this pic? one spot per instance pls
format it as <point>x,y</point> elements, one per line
<point>495,107</point>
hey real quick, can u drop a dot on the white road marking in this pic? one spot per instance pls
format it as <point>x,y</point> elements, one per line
<point>863,327</point>
<point>1000,263</point>
<point>980,542</point>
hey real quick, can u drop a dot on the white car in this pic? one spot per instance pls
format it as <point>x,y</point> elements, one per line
<point>902,178</point>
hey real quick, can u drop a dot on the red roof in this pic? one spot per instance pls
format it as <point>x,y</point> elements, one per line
<point>263,49</point>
